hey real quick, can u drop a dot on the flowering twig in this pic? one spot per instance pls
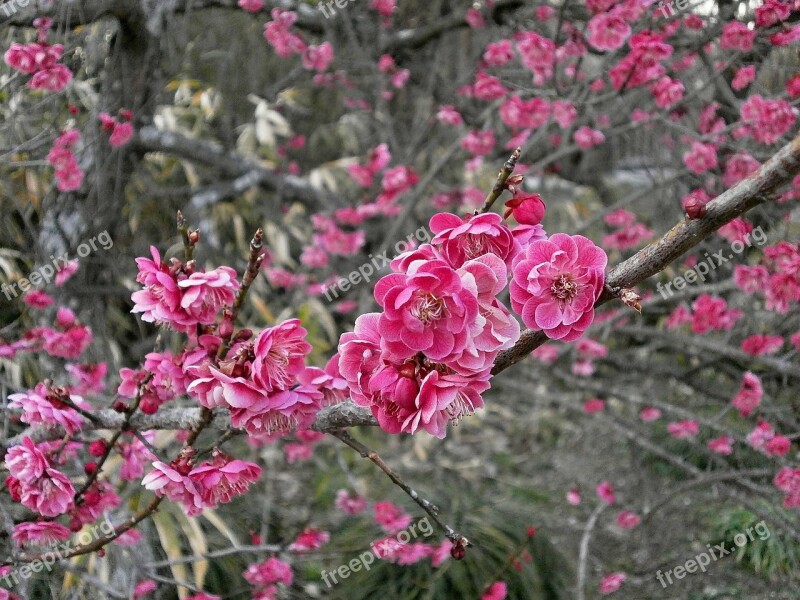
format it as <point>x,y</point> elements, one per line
<point>427,506</point>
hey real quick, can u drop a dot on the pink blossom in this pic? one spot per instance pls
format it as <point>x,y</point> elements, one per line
<point>496,591</point>
<point>667,91</point>
<point>751,279</point>
<point>268,572</point>
<point>164,480</point>
<point>460,240</point>
<point>26,462</point>
<point>66,272</point>
<point>721,445</point>
<point>793,86</point>
<point>682,430</point>
<point>611,583</point>
<point>586,137</point>
<point>738,167</point>
<point>310,538</point>
<point>525,114</point>
<point>737,36</point>
<point>744,77</point>
<point>37,299</point>
<point>556,283</point>
<point>49,407</point>
<point>546,354</point>
<point>748,398</point>
<point>712,313</point>
<point>441,553</point>
<point>768,120</point>
<point>479,143</point>
<point>391,517</point>
<point>318,58</point>
<point>537,54</point>
<point>499,53</point>
<point>527,210</point>
<point>385,8</point>
<point>605,491</point>
<point>429,309</point>
<point>351,504</point>
<point>771,12</point>
<point>277,33</point>
<point>144,588</point>
<point>474,18</point>
<point>218,482</point>
<point>449,115</point>
<point>251,6</point>
<point>564,113</point>
<point>700,158</point>
<point>42,533</point>
<point>574,496</point>
<point>121,135</point>
<point>627,519</point>
<point>762,344</point>
<point>778,445</point>
<point>760,435</point>
<point>593,406</point>
<point>608,31</point>
<point>488,87</point>
<point>53,79</point>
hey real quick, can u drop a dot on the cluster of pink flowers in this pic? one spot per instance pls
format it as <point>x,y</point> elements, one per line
<point>764,439</point>
<point>629,233</point>
<point>35,483</point>
<point>40,59</point>
<point>778,279</point>
<point>50,407</point>
<point>266,576</point>
<point>121,130</point>
<point>69,175</point>
<point>748,398</point>
<point>203,486</point>
<point>179,295</point>
<point>426,358</point>
<point>708,313</point>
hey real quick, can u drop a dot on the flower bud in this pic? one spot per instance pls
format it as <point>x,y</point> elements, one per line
<point>695,208</point>
<point>97,448</point>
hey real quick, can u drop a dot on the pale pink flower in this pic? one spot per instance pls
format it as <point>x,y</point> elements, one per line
<point>722,445</point>
<point>144,588</point>
<point>164,480</point>
<point>586,137</point>
<point>574,496</point>
<point>649,414</point>
<point>460,240</point>
<point>682,430</point>
<point>556,283</point>
<point>351,504</point>
<point>279,355</point>
<point>760,435</point>
<point>628,520</point>
<point>318,58</point>
<point>448,115</point>
<point>546,354</point>
<point>611,583</point>
<point>65,272</point>
<point>667,91</point>
<point>41,533</point>
<point>605,491</point>
<point>391,517</point>
<point>219,481</point>
<point>608,31</point>
<point>42,406</point>
<point>479,143</point>
<point>738,167</point>
<point>310,538</point>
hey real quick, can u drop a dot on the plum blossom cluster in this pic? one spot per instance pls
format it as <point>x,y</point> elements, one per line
<point>426,358</point>
<point>121,129</point>
<point>41,60</point>
<point>68,173</point>
<point>777,278</point>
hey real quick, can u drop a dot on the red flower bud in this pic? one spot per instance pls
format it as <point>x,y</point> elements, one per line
<point>89,468</point>
<point>119,406</point>
<point>148,405</point>
<point>695,208</point>
<point>97,448</point>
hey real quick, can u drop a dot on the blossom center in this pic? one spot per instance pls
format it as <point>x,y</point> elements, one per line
<point>428,308</point>
<point>564,288</point>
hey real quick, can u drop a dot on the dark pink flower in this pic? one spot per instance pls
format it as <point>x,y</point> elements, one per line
<point>42,533</point>
<point>628,520</point>
<point>611,583</point>
<point>391,517</point>
<point>683,429</point>
<point>268,572</point>
<point>219,481</point>
<point>310,538</point>
<point>48,407</point>
<point>748,398</point>
<point>762,344</point>
<point>460,240</point>
<point>556,283</point>
<point>496,591</point>
<point>605,491</point>
<point>722,445</point>
<point>164,480</point>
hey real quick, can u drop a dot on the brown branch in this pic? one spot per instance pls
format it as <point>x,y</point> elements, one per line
<point>500,185</point>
